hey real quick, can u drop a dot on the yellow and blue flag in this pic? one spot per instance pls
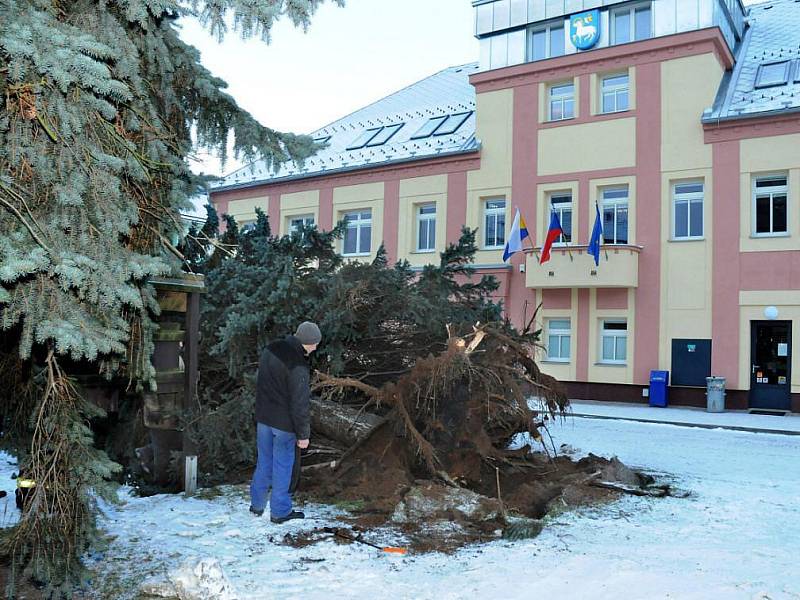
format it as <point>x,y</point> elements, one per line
<point>519,232</point>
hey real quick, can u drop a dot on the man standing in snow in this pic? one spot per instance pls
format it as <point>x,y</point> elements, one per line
<point>283,421</point>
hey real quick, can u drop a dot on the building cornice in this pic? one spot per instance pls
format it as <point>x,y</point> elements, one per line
<point>657,49</point>
<point>751,126</point>
<point>439,165</point>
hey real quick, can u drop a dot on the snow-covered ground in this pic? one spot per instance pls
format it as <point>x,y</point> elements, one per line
<point>9,514</point>
<point>737,536</point>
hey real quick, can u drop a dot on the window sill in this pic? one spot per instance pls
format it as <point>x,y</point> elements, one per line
<point>357,255</point>
<point>493,248</point>
<point>688,239</point>
<point>762,236</point>
<point>560,120</point>
<point>613,112</point>
<point>556,361</point>
<point>432,251</point>
<point>610,364</point>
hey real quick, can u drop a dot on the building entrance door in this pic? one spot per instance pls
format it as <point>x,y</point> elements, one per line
<point>771,364</point>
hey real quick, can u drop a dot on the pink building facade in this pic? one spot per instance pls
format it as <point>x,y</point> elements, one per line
<point>680,134</point>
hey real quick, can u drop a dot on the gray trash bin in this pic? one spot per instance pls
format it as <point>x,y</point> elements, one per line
<point>715,394</point>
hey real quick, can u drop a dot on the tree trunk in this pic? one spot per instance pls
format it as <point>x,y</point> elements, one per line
<point>341,423</point>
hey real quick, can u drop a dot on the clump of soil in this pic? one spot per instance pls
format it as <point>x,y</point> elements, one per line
<point>437,465</point>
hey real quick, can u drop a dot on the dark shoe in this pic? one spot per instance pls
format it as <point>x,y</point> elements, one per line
<point>295,514</point>
<point>257,513</point>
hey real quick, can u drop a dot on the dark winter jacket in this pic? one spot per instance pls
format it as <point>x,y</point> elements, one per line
<point>282,389</point>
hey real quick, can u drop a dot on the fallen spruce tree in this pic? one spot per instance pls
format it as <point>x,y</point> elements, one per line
<point>423,388</point>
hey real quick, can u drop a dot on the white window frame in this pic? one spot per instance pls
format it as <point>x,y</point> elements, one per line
<point>772,191</point>
<point>631,10</point>
<point>561,98</point>
<point>560,208</point>
<point>559,333</point>
<point>428,221</point>
<point>610,238</point>
<point>548,35</point>
<point>495,213</point>
<point>358,224</point>
<point>690,198</point>
<point>307,219</point>
<point>615,334</point>
<point>615,89</point>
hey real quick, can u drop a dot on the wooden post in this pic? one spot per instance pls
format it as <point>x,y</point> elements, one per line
<point>190,360</point>
<point>190,475</point>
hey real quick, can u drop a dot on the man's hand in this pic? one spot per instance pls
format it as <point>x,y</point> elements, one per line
<point>302,444</point>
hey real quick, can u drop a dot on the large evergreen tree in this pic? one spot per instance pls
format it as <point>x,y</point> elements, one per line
<point>103,103</point>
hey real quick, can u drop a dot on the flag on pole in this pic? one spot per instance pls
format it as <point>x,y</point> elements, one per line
<point>552,233</point>
<point>594,242</point>
<point>519,232</point>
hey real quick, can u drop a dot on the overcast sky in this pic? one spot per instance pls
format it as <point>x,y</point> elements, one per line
<point>349,58</point>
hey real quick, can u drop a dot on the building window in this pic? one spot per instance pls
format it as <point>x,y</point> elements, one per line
<point>558,340</point>
<point>443,125</point>
<point>429,127</point>
<point>631,23</point>
<point>546,41</point>
<point>772,74</point>
<point>769,206</point>
<point>452,124</point>
<point>385,134</point>
<point>358,234</point>
<point>687,211</point>
<point>614,341</point>
<point>375,136</point>
<point>295,223</point>
<point>426,228</point>
<point>615,215</point>
<point>494,212</point>
<point>562,102</point>
<point>614,93</point>
<point>562,205</point>
<point>363,138</point>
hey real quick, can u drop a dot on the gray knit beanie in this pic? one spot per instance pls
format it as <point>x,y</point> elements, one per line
<point>308,333</point>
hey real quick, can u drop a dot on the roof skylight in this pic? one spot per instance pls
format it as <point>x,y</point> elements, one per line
<point>442,125</point>
<point>429,127</point>
<point>385,135</point>
<point>453,123</point>
<point>772,74</point>
<point>322,139</point>
<point>363,139</point>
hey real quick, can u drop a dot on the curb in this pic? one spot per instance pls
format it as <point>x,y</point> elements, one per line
<point>685,424</point>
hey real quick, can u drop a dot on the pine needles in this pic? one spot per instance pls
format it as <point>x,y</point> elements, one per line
<point>58,520</point>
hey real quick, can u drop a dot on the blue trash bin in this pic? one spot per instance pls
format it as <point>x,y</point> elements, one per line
<point>659,380</point>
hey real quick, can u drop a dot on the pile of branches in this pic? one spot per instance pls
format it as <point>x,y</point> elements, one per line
<point>461,407</point>
<point>378,320</point>
<point>450,419</point>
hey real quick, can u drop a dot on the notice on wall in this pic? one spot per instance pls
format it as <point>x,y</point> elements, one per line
<point>691,347</point>
<point>781,380</point>
<point>783,349</point>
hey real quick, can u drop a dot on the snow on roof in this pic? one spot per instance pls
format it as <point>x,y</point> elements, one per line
<point>447,93</point>
<point>766,78</point>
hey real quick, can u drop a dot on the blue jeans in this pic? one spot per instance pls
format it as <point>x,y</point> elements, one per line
<point>273,469</point>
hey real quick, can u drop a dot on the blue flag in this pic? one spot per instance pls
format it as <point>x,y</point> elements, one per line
<point>597,232</point>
